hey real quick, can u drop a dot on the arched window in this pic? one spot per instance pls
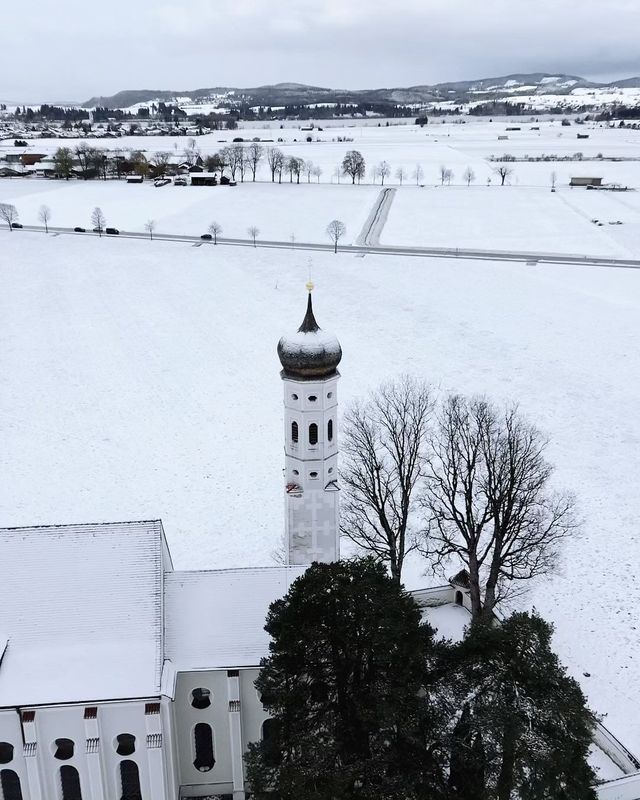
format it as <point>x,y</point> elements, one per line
<point>294,431</point>
<point>294,396</point>
<point>64,749</point>
<point>201,698</point>
<point>70,781</point>
<point>203,740</point>
<point>126,744</point>
<point>459,598</point>
<point>313,433</point>
<point>313,474</point>
<point>10,785</point>
<point>313,398</point>
<point>330,430</point>
<point>329,395</point>
<point>130,781</point>
<point>6,752</point>
<point>268,729</point>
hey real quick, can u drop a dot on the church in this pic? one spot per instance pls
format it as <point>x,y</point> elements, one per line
<point>124,679</point>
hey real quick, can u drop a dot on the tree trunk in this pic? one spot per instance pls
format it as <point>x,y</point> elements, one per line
<point>505,779</point>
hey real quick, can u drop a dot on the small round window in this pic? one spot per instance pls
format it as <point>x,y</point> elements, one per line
<point>201,698</point>
<point>6,752</point>
<point>126,744</point>
<point>312,398</point>
<point>329,395</point>
<point>64,749</point>
<point>330,470</point>
<point>294,396</point>
<point>313,474</point>
<point>295,472</point>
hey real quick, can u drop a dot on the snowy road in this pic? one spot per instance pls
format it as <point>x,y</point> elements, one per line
<point>529,257</point>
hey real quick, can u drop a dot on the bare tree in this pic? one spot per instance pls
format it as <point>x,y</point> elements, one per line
<point>443,174</point>
<point>384,170</point>
<point>8,214</point>
<point>384,449</point>
<point>255,153</point>
<point>353,165</point>
<point>488,500</point>
<point>160,161</point>
<point>98,220</point>
<point>317,172</point>
<point>275,159</point>
<point>44,215</point>
<point>503,172</point>
<point>418,174</point>
<point>554,178</point>
<point>253,233</point>
<point>150,226</point>
<point>401,174</point>
<point>337,172</point>
<point>468,176</point>
<point>335,230</point>
<point>449,176</point>
<point>215,229</point>
<point>308,170</point>
<point>233,156</point>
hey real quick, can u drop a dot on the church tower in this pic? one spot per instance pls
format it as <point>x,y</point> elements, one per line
<point>309,359</point>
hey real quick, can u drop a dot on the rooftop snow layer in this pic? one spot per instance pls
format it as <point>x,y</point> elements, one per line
<point>81,606</point>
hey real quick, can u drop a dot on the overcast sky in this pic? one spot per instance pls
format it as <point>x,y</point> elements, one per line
<point>72,50</point>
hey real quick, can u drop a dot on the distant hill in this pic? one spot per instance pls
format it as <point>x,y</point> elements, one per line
<point>282,94</point>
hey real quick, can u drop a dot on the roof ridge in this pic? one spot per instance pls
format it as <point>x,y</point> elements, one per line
<point>81,525</point>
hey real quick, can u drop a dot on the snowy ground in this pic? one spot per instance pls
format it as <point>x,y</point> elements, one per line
<point>140,380</point>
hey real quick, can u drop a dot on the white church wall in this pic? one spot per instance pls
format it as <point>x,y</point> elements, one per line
<point>11,733</point>
<point>253,713</point>
<point>219,779</point>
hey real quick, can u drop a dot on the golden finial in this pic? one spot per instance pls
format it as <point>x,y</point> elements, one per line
<point>309,286</point>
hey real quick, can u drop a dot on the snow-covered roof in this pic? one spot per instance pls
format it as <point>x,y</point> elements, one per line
<point>81,607</point>
<point>216,619</point>
<point>449,620</point>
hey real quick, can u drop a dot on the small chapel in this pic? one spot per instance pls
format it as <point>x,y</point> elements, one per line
<point>124,679</point>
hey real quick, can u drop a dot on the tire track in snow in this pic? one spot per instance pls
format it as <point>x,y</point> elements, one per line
<point>372,228</point>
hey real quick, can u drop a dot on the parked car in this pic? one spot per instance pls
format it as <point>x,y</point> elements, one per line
<point>79,230</point>
<point>97,230</point>
<point>207,237</point>
<point>179,181</point>
<point>162,181</point>
<point>16,225</point>
<point>112,231</point>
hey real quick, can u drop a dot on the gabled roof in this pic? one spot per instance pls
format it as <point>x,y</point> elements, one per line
<point>81,607</point>
<point>216,619</point>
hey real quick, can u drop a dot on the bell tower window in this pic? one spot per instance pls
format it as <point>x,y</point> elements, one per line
<point>294,431</point>
<point>313,433</point>
<point>330,430</point>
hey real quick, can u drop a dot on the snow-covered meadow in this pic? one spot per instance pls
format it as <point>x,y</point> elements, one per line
<point>140,380</point>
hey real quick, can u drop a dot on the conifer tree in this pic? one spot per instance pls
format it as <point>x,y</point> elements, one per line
<point>345,686</point>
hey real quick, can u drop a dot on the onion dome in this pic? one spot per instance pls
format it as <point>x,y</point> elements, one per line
<point>310,353</point>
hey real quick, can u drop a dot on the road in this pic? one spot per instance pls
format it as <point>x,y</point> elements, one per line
<point>530,258</point>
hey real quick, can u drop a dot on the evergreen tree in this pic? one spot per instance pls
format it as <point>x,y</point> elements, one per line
<point>344,682</point>
<point>524,730</point>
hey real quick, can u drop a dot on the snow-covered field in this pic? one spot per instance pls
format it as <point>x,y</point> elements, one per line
<point>140,380</point>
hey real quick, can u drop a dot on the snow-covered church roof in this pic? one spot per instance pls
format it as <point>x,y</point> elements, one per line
<point>81,610</point>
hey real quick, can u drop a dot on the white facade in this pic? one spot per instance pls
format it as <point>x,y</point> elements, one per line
<point>311,470</point>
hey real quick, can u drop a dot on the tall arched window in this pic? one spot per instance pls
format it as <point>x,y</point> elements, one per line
<point>459,598</point>
<point>70,781</point>
<point>10,785</point>
<point>126,744</point>
<point>313,433</point>
<point>203,740</point>
<point>294,431</point>
<point>330,430</point>
<point>130,781</point>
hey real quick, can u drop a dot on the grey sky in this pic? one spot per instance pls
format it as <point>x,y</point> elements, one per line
<point>83,49</point>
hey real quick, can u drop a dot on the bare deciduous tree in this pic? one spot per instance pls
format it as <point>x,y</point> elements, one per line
<point>335,231</point>
<point>215,229</point>
<point>384,170</point>
<point>418,174</point>
<point>150,226</point>
<point>317,172</point>
<point>253,233</point>
<point>44,215</point>
<point>384,443</point>
<point>8,214</point>
<point>554,178</point>
<point>444,171</point>
<point>160,161</point>
<point>98,219</point>
<point>275,159</point>
<point>503,172</point>
<point>468,176</point>
<point>401,174</point>
<point>489,502</point>
<point>353,165</point>
<point>308,170</point>
<point>255,153</point>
